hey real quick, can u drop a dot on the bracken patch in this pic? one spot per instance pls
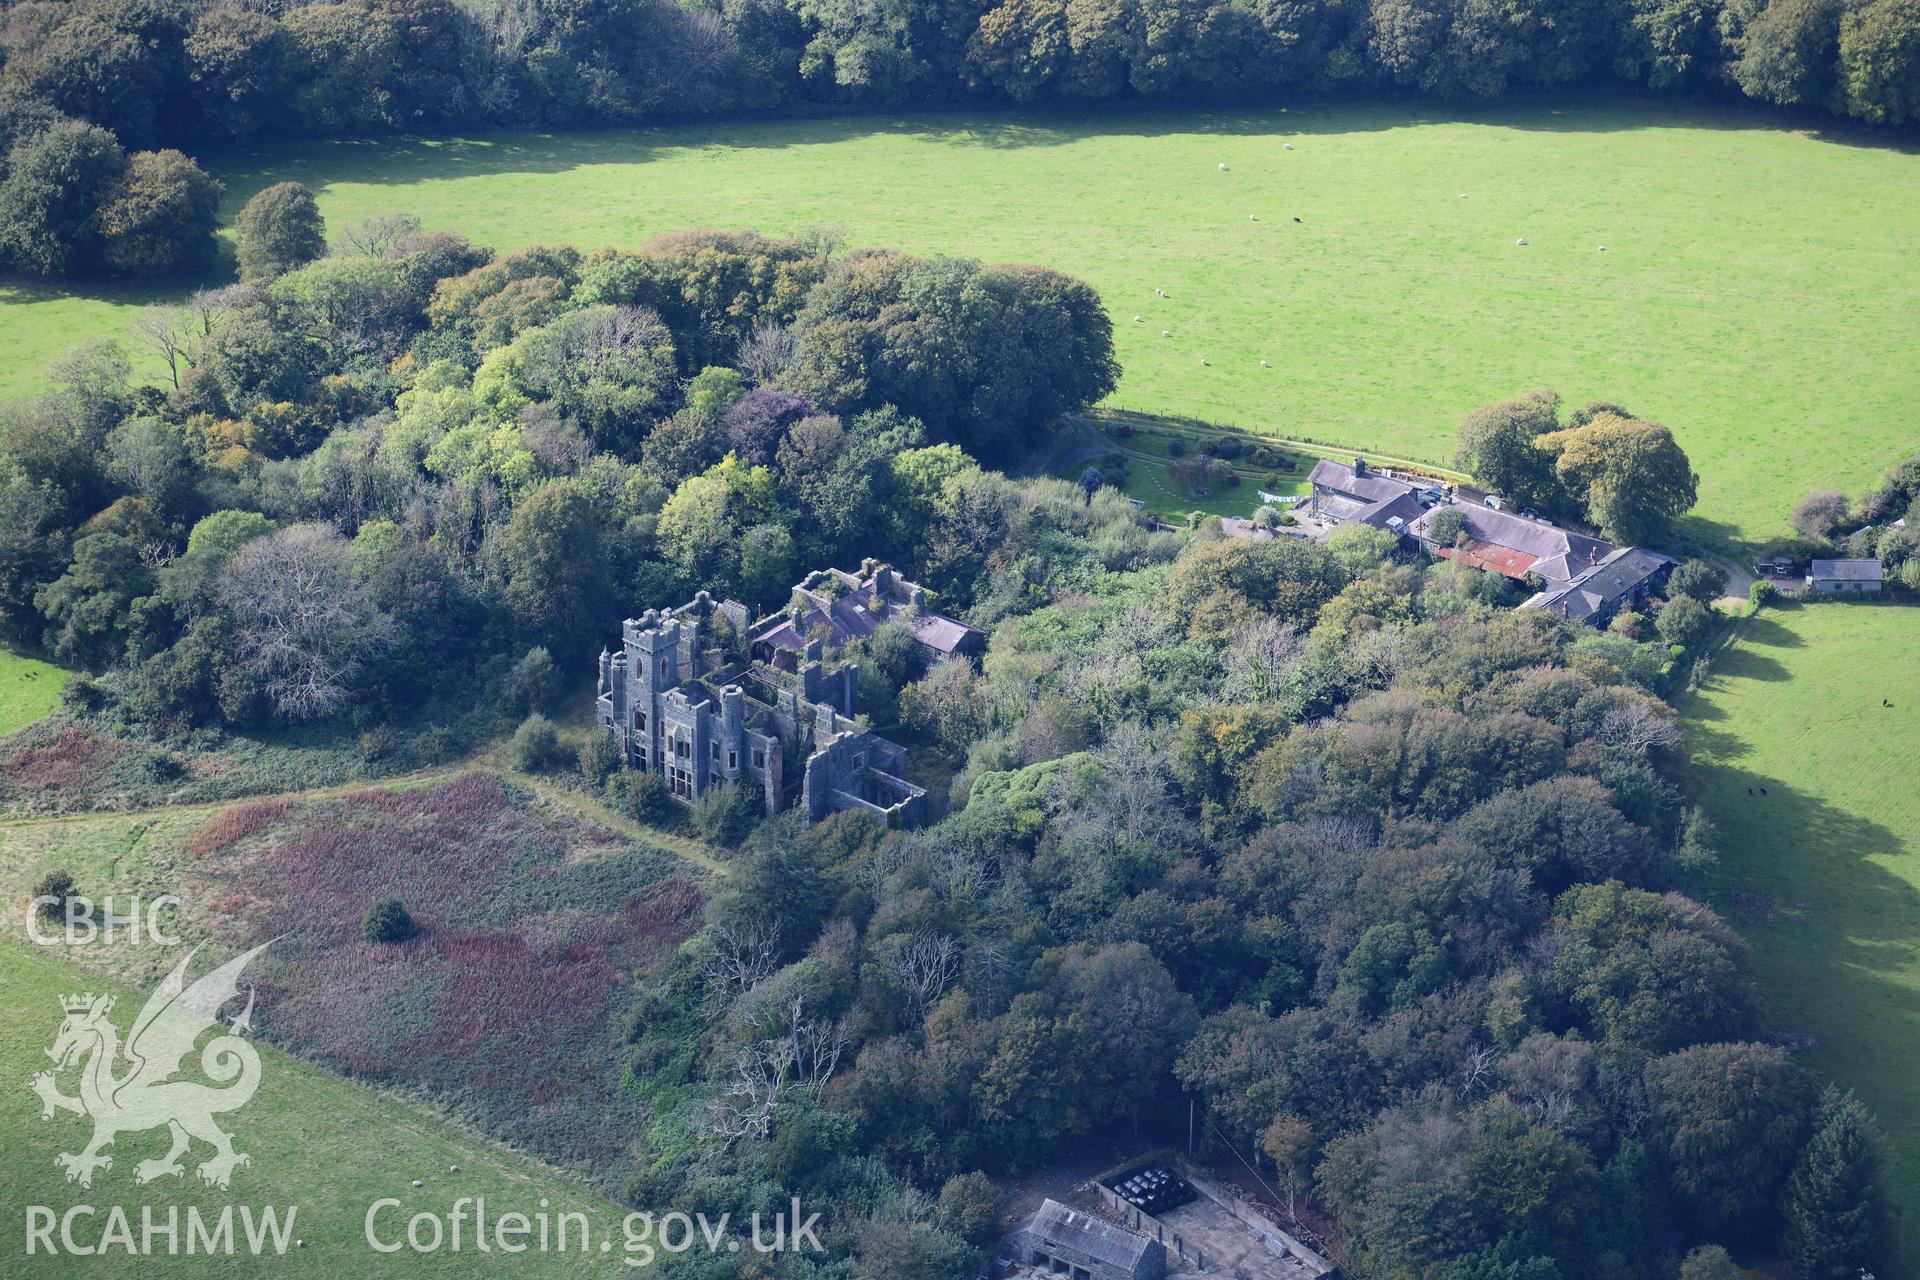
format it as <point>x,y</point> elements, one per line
<point>507,1005</point>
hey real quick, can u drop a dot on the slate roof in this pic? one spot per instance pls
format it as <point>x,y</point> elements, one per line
<point>857,614</point>
<point>1597,589</point>
<point>1844,571</point>
<point>1406,506</point>
<point>939,632</point>
<point>1055,1224</point>
<point>1514,545</point>
<point>1339,477</point>
<point>1368,499</point>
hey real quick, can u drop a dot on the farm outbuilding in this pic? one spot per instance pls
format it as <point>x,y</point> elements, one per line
<point>1062,1241</point>
<point>1844,577</point>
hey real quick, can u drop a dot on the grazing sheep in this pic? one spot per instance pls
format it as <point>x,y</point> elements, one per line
<point>1265,365</point>
<point>1203,360</point>
<point>1253,217</point>
<point>1286,146</point>
<point>1521,240</point>
<point>1603,248</point>
<point>1296,218</point>
<point>1463,195</point>
<point>1161,292</point>
<point>1136,319</point>
<point>1166,333</point>
<point>1223,168</point>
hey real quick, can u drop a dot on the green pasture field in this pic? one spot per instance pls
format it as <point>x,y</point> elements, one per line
<point>1811,779</point>
<point>1757,291</point>
<point>328,1147</point>
<point>29,689</point>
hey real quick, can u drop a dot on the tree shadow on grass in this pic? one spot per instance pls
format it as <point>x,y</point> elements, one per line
<point>401,161</point>
<point>1743,659</point>
<point>1833,934</point>
<point>1765,630</point>
<point>404,161</point>
<point>221,269</point>
<point>1816,889</point>
<point>22,290</point>
<point>1719,535</point>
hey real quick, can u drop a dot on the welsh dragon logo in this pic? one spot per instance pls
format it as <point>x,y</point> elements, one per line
<point>144,1094</point>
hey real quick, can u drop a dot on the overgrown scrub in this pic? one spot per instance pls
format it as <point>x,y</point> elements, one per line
<point>506,1000</point>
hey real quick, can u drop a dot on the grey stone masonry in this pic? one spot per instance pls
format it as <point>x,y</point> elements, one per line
<point>681,699</point>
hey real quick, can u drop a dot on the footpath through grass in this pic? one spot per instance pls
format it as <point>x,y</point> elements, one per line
<point>1812,780</point>
<point>1756,291</point>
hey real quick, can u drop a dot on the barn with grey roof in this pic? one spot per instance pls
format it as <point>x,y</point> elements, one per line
<point>1623,578</point>
<point>1057,1240</point>
<point>1845,577</point>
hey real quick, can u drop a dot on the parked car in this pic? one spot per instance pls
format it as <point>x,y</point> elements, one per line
<point>1494,501</point>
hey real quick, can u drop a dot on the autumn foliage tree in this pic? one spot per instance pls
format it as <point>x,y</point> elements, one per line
<point>1629,476</point>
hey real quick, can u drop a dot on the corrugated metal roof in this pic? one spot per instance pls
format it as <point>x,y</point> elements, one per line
<point>1487,555</point>
<point>1556,554</point>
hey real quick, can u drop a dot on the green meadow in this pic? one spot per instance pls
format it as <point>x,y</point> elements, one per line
<point>29,689</point>
<point>1757,290</point>
<point>325,1146</point>
<point>1811,779</point>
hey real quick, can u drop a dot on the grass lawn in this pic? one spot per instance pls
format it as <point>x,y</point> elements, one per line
<point>328,1147</point>
<point>1757,291</point>
<point>29,689</point>
<point>1148,454</point>
<point>1822,873</point>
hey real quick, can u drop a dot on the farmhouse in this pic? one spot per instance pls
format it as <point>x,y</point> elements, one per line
<point>678,703</point>
<point>1582,578</point>
<point>1356,492</point>
<point>1844,577</point>
<point>1514,545</point>
<point>850,606</point>
<point>1621,579</point>
<point>1057,1240</point>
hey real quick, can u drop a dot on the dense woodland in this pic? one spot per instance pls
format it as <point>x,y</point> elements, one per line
<point>1386,879</point>
<point>100,99</point>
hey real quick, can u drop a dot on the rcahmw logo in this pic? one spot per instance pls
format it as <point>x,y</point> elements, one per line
<point>85,1231</point>
<point>146,1095</point>
<point>78,921</point>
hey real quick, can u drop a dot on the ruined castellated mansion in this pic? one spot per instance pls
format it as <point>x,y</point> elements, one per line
<point>704,696</point>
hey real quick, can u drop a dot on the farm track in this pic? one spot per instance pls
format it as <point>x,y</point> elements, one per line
<point>602,814</point>
<point>394,782</point>
<point>583,806</point>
